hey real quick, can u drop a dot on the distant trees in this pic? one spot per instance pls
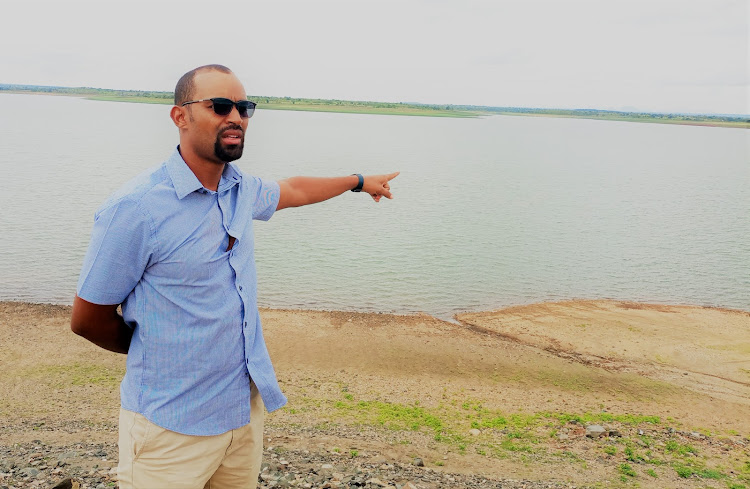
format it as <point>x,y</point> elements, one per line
<point>390,107</point>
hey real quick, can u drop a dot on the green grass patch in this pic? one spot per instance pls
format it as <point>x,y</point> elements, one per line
<point>686,471</point>
<point>678,448</point>
<point>136,100</point>
<point>365,109</point>
<point>392,108</point>
<point>79,374</point>
<point>632,456</point>
<point>513,434</point>
<point>646,440</point>
<point>318,106</point>
<point>591,418</point>
<point>627,470</point>
<point>511,445</point>
<point>391,415</point>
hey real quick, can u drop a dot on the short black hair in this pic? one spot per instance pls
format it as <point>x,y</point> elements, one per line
<point>185,88</point>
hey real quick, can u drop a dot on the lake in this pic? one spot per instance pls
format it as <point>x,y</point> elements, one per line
<point>488,212</point>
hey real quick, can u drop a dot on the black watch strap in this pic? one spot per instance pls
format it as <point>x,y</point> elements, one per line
<point>361,182</point>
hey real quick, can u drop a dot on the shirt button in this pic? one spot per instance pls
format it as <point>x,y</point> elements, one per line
<point>246,324</point>
<point>240,287</point>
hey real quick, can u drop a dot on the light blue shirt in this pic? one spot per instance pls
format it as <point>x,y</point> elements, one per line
<point>159,248</point>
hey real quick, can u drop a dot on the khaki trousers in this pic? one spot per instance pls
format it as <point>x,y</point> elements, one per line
<point>152,457</point>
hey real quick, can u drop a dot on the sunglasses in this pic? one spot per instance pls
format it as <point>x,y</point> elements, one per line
<point>223,106</point>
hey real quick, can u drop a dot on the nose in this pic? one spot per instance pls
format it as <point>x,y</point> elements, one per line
<point>234,116</point>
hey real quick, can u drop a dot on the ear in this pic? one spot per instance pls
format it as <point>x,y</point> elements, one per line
<point>179,116</point>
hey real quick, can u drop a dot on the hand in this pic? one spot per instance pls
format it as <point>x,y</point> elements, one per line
<point>377,186</point>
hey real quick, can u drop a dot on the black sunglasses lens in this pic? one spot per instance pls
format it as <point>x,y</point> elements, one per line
<point>245,108</point>
<point>222,106</point>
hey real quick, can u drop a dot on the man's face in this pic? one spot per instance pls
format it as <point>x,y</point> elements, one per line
<point>213,137</point>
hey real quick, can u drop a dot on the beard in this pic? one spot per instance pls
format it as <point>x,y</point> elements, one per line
<point>227,153</point>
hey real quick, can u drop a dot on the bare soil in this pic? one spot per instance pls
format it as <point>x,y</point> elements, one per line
<point>370,386</point>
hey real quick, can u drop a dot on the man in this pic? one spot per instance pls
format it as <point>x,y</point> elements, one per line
<point>174,247</point>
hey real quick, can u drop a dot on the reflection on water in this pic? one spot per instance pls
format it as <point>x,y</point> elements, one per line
<point>488,212</point>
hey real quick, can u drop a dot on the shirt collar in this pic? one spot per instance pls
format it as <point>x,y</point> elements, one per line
<point>229,178</point>
<point>185,181</point>
<point>183,178</point>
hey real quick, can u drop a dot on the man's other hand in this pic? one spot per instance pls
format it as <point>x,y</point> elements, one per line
<point>101,325</point>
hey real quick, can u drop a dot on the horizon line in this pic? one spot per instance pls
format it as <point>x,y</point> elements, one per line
<point>465,106</point>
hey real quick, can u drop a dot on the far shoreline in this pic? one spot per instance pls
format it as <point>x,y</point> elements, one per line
<point>420,110</point>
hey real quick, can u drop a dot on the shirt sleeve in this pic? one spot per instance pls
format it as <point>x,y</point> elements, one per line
<point>119,251</point>
<point>266,198</point>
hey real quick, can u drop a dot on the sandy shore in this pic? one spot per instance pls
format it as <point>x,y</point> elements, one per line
<point>506,394</point>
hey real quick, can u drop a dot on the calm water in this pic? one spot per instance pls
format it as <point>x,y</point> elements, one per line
<point>488,212</point>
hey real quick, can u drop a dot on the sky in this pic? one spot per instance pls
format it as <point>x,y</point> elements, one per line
<point>657,55</point>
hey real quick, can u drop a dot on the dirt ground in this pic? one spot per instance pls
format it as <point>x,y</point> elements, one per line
<point>664,377</point>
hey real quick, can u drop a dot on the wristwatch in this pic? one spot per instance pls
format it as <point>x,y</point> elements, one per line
<point>361,182</point>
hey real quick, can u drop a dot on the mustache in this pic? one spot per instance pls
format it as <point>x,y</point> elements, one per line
<point>231,127</point>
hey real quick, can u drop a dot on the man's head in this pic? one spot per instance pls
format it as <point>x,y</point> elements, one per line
<point>204,134</point>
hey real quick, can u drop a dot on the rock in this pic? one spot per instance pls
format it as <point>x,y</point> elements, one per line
<point>595,431</point>
<point>562,437</point>
<point>376,482</point>
<point>475,432</point>
<point>418,462</point>
<point>64,484</point>
<point>30,472</point>
<point>696,436</point>
<point>378,460</point>
<point>615,434</point>
<point>326,467</point>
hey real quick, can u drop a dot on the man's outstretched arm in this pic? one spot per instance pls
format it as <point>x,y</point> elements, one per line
<point>101,325</point>
<point>299,191</point>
